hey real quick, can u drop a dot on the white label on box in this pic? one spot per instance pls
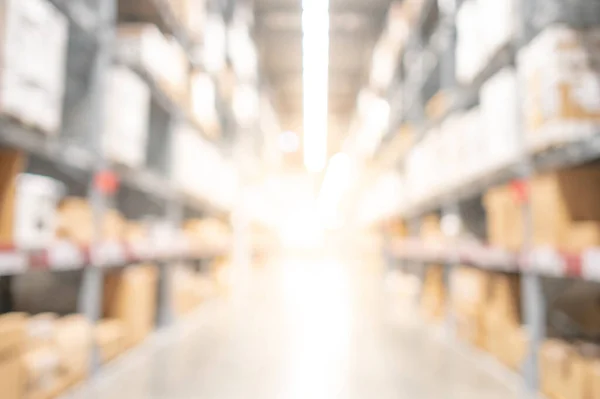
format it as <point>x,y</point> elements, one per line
<point>109,254</point>
<point>65,256</point>
<point>12,262</point>
<point>590,264</point>
<point>548,261</point>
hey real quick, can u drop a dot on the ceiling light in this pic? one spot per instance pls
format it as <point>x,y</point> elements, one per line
<point>315,48</point>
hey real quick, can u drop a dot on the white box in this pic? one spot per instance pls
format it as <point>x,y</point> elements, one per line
<point>36,201</point>
<point>499,22</point>
<point>143,47</point>
<point>203,103</point>
<point>33,56</point>
<point>561,76</point>
<point>500,119</point>
<point>127,117</point>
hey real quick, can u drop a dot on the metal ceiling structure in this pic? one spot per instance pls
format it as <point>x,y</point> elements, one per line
<point>355,25</point>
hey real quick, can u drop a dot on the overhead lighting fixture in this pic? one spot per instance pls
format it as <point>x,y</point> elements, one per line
<point>315,70</point>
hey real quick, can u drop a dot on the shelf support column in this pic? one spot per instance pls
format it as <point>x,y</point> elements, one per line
<point>90,295</point>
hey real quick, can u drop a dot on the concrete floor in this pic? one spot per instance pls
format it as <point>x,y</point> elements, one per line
<point>305,329</point>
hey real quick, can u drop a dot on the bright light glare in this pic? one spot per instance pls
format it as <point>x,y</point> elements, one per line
<point>338,179</point>
<point>315,47</point>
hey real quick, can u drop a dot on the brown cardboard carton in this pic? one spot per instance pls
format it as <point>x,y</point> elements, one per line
<point>437,105</point>
<point>505,297</point>
<point>562,198</point>
<point>130,296</point>
<point>431,230</point>
<point>41,330</point>
<point>111,339</point>
<point>42,371</point>
<point>433,300</point>
<point>564,372</point>
<point>12,340</point>
<point>76,222</point>
<point>12,163</point>
<point>73,340</point>
<point>505,220</point>
<point>582,236</point>
<point>470,290</point>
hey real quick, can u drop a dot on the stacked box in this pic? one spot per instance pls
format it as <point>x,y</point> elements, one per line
<point>504,219</point>
<point>561,76</point>
<point>190,289</point>
<point>12,343</point>
<point>565,373</point>
<point>12,162</point>
<point>565,208</point>
<point>143,48</point>
<point>130,297</point>
<point>111,338</point>
<point>500,120</point>
<point>470,289</point>
<point>32,62</point>
<point>76,222</point>
<point>433,300</point>
<point>207,235</point>
<point>73,339</point>
<point>127,118</point>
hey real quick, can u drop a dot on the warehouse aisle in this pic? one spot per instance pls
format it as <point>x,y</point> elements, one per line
<point>306,328</point>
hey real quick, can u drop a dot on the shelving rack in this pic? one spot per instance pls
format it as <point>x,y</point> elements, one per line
<point>433,38</point>
<point>74,156</point>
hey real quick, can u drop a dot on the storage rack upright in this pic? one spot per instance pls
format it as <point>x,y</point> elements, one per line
<point>426,66</point>
<point>75,157</point>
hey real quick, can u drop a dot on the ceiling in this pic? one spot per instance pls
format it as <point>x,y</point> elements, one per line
<point>355,25</point>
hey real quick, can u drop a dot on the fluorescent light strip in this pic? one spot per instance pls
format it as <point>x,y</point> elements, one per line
<point>315,47</point>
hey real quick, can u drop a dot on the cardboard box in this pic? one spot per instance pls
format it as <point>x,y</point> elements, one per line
<point>12,162</point>
<point>500,116</point>
<point>76,222</point>
<point>143,47</point>
<point>111,338</point>
<point>564,372</point>
<point>130,296</point>
<point>127,118</point>
<point>431,230</point>
<point>33,47</point>
<point>36,199</point>
<point>560,70</point>
<point>504,219</point>
<point>73,340</point>
<point>42,372</point>
<point>207,235</point>
<point>559,199</point>
<point>581,236</point>
<point>433,299</point>
<point>203,103</point>
<point>12,342</point>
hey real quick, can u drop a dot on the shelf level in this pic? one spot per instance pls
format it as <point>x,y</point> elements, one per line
<point>65,256</point>
<point>548,262</point>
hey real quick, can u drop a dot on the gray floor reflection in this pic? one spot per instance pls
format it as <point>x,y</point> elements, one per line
<point>305,329</point>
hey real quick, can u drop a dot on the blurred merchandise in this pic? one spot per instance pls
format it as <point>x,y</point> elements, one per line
<point>433,295</point>
<point>504,218</point>
<point>560,202</point>
<point>111,337</point>
<point>130,297</point>
<point>143,48</point>
<point>203,103</point>
<point>34,47</point>
<point>562,80</point>
<point>128,110</point>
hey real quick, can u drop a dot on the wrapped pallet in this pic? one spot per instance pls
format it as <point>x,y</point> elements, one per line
<point>130,297</point>
<point>33,47</point>
<point>562,79</point>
